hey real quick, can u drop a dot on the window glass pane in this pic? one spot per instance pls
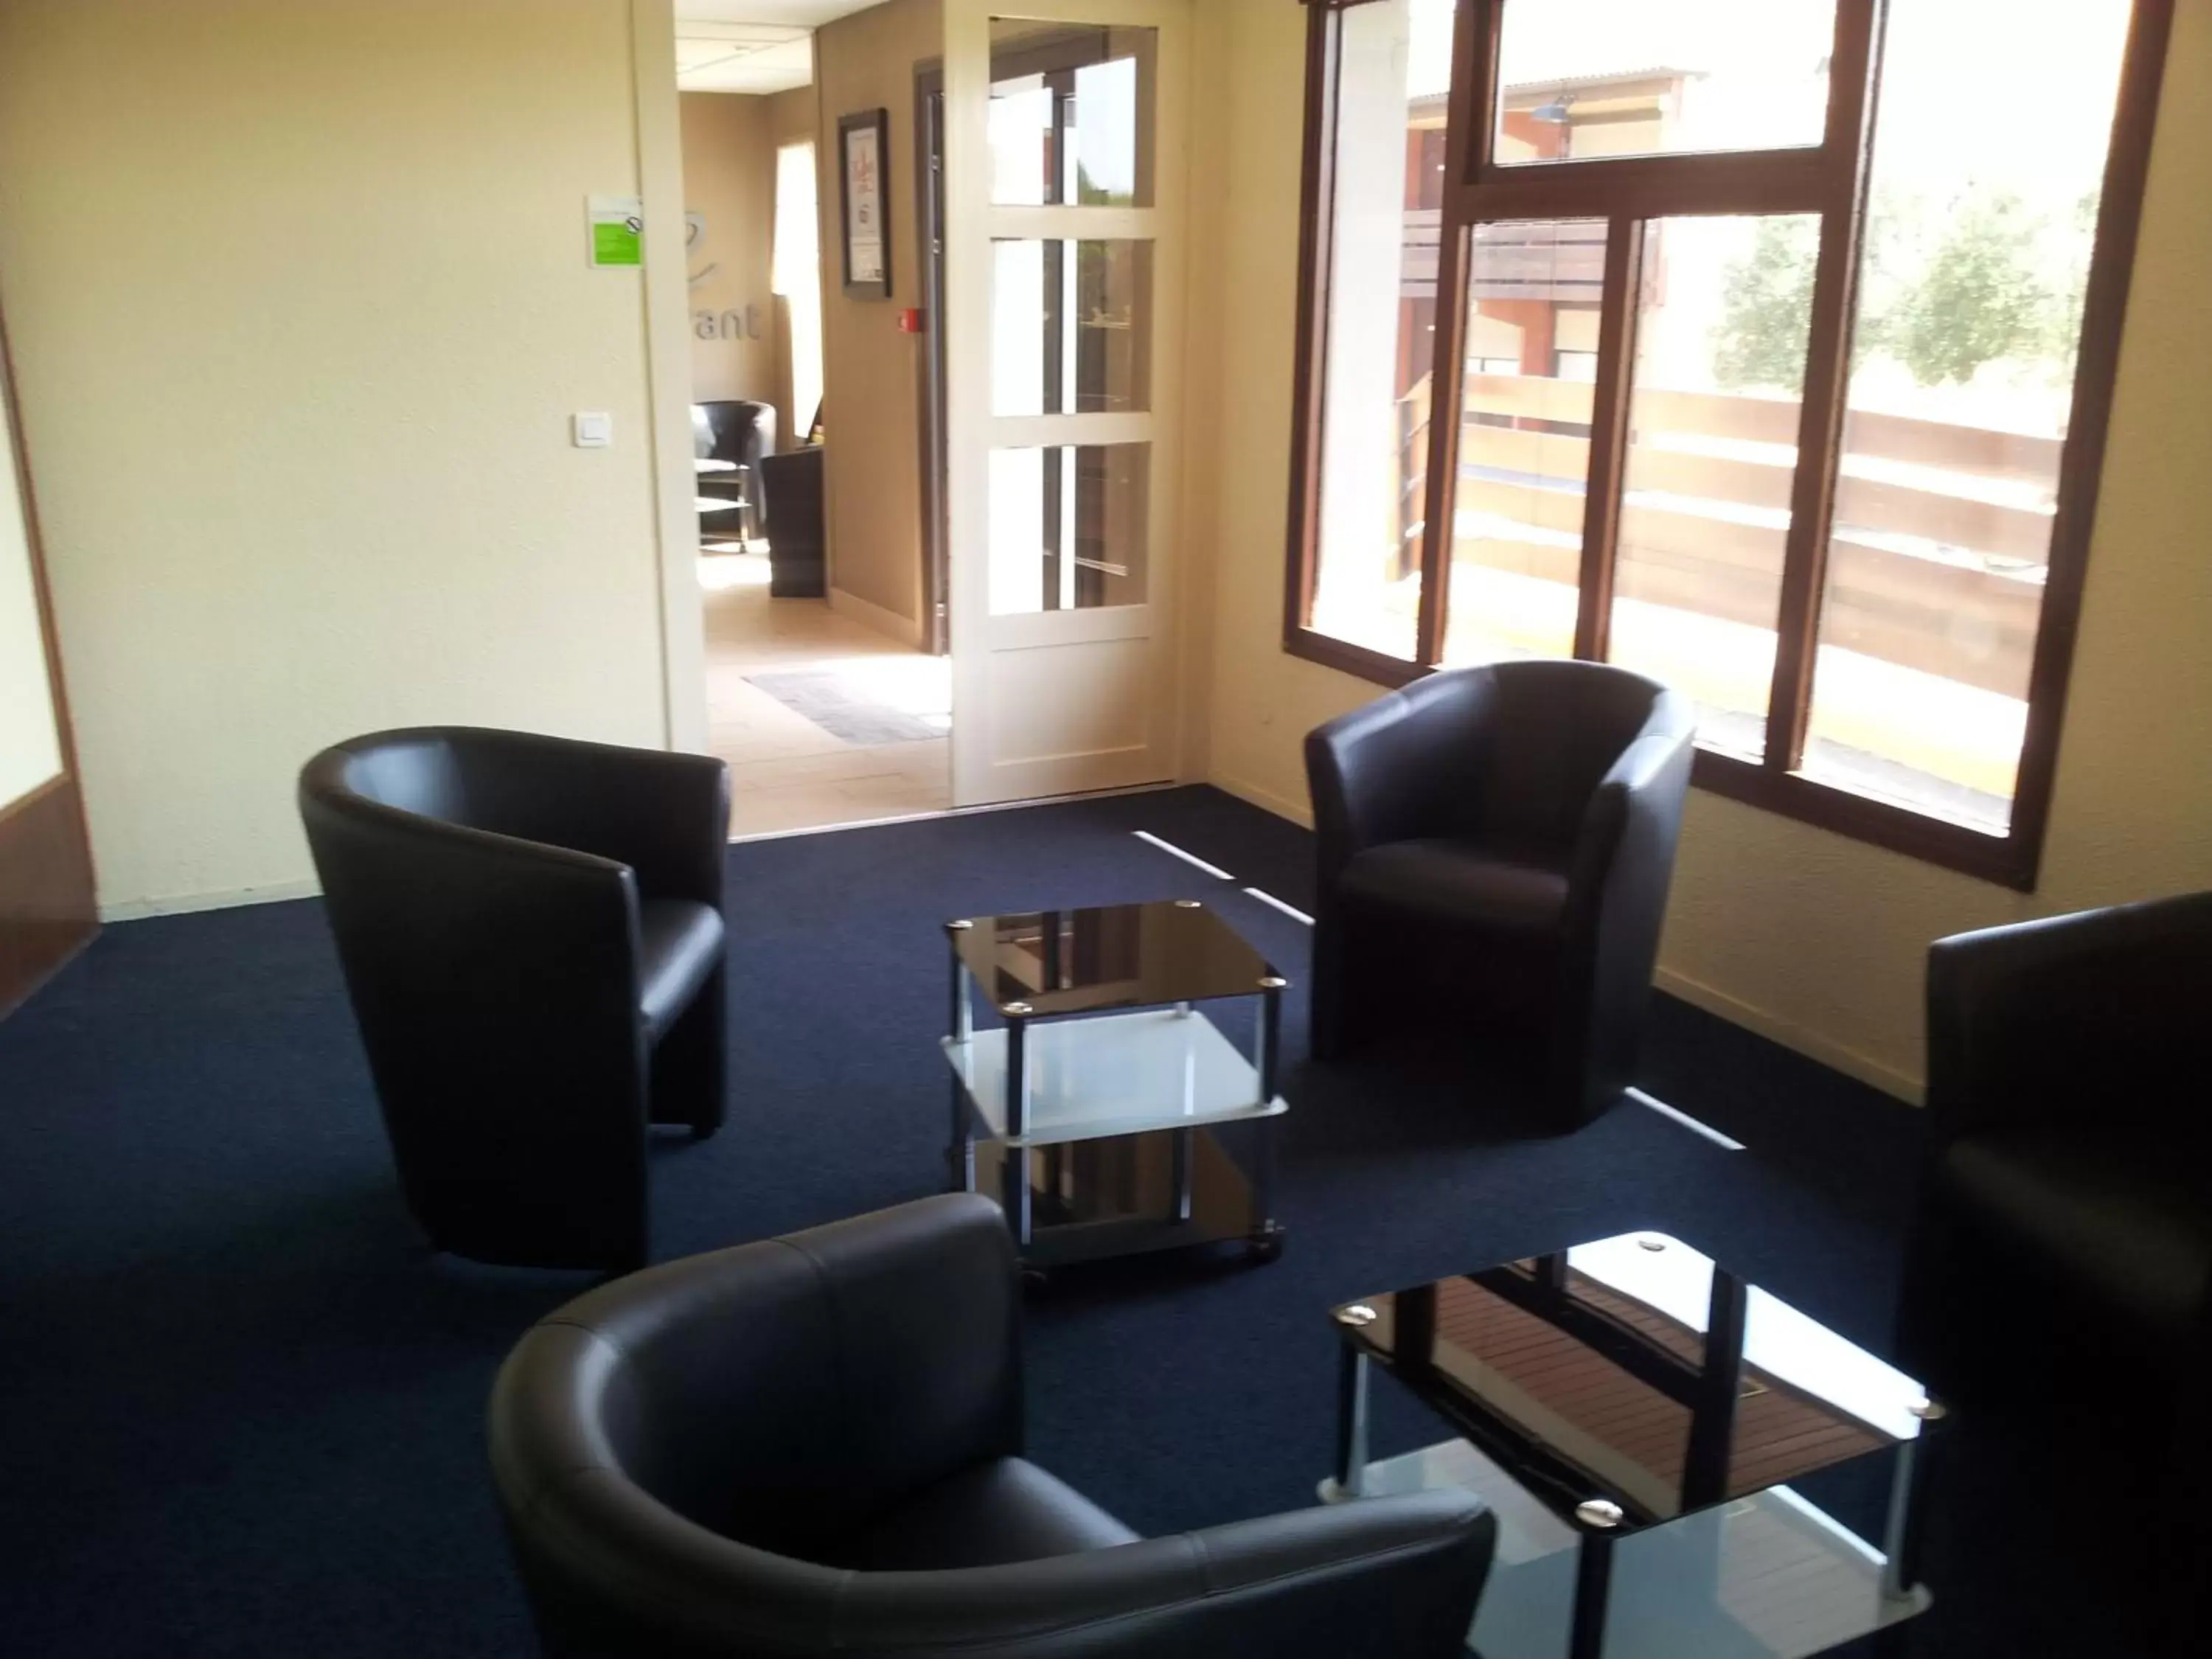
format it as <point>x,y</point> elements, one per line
<point>1394,72</point>
<point>1070,327</point>
<point>1721,334</point>
<point>1071,118</point>
<point>1069,526</point>
<point>1516,522</point>
<point>1583,78</point>
<point>1989,157</point>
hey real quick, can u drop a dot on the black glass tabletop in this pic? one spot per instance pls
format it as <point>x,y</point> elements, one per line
<point>1637,1370</point>
<point>1114,956</point>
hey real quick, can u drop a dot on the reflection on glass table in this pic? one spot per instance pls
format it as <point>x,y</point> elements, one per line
<point>1101,1043</point>
<point>1635,1412</point>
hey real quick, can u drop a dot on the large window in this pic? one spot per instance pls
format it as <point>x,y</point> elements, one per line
<point>1762,346</point>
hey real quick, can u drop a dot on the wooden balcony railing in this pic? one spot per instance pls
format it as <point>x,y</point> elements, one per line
<point>1541,260</point>
<point>1936,557</point>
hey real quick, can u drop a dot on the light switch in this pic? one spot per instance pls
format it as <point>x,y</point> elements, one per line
<point>593,428</point>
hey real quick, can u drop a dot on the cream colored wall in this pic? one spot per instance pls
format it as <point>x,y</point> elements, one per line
<point>30,739</point>
<point>1811,938</point>
<point>302,308</point>
<point>792,115</point>
<point>729,176</point>
<point>871,372</point>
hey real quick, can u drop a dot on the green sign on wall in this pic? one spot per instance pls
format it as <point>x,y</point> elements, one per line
<point>617,225</point>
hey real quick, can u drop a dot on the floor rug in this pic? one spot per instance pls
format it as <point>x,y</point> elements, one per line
<point>868,703</point>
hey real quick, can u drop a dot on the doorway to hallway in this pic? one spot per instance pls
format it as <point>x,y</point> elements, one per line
<point>823,720</point>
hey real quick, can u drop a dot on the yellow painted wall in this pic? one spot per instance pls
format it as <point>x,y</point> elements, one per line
<point>1812,937</point>
<point>792,115</point>
<point>729,178</point>
<point>871,372</point>
<point>302,308</point>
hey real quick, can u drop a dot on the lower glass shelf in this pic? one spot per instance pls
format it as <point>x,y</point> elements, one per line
<point>1767,1576</point>
<point>1127,1195</point>
<point>1113,1074</point>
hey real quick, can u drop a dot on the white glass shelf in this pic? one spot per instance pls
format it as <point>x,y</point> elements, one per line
<point>1114,1074</point>
<point>1767,1577</point>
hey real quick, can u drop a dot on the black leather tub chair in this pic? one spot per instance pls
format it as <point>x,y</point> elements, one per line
<point>742,432</point>
<point>1514,822</point>
<point>812,1445</point>
<point>2066,1204</point>
<point>532,934</point>
<point>2064,1233</point>
<point>2058,1276</point>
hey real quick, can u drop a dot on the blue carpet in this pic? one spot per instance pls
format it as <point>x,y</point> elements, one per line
<point>240,1411</point>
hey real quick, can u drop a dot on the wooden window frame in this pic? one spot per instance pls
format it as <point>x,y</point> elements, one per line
<point>1830,180</point>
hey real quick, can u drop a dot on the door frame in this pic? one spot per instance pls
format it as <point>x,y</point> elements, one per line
<point>48,893</point>
<point>1002,751</point>
<point>929,260</point>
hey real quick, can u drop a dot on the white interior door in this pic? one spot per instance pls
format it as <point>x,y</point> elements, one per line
<point>1065,146</point>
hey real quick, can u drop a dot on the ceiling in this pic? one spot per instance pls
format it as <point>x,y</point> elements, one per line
<point>750,46</point>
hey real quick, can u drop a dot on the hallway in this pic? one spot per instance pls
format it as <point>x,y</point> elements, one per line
<point>822,719</point>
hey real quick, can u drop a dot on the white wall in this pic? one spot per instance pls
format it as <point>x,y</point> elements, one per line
<point>300,310</point>
<point>1818,940</point>
<point>30,741</point>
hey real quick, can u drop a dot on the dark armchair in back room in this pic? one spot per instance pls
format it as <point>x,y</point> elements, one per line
<point>532,934</point>
<point>1517,820</point>
<point>741,432</point>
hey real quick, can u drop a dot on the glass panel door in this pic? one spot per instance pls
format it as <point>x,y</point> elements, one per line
<point>1064,226</point>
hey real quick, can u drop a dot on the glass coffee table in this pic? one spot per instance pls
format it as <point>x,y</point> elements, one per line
<point>1095,1109</point>
<point>1634,1413</point>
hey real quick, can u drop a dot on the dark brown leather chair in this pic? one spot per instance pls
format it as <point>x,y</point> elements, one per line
<point>812,1446</point>
<point>2058,1276</point>
<point>532,934</point>
<point>1523,813</point>
<point>2065,1218</point>
<point>741,432</point>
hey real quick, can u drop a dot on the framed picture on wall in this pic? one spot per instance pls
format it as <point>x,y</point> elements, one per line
<point>863,164</point>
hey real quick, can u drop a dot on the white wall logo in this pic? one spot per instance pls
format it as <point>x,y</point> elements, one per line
<point>738,322</point>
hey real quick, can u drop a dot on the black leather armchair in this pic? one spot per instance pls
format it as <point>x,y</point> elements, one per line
<point>741,432</point>
<point>2058,1275</point>
<point>1523,813</point>
<point>2064,1232</point>
<point>532,934</point>
<point>812,1446</point>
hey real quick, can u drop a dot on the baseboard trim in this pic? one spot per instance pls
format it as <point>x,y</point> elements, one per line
<point>906,630</point>
<point>1833,1055</point>
<point>1266,799</point>
<point>183,904</point>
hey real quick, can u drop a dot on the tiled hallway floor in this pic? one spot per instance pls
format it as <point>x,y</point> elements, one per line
<point>785,771</point>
